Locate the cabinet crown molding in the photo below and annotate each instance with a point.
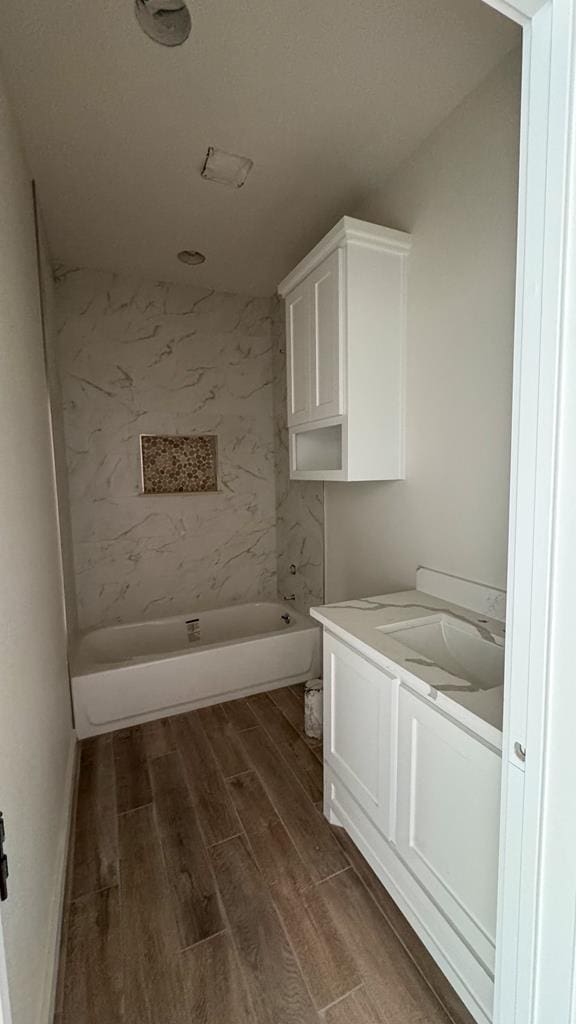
(347, 230)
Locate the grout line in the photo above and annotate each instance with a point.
(130, 810)
(207, 938)
(219, 842)
(246, 835)
(218, 771)
(237, 775)
(342, 998)
(93, 892)
(228, 924)
(278, 748)
(157, 757)
(328, 877)
(287, 936)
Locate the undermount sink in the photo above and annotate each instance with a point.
(454, 646)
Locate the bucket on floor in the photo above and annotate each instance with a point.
(313, 714)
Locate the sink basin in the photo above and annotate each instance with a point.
(454, 646)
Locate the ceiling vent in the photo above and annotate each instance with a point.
(167, 22)
(226, 168)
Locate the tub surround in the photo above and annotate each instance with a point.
(136, 358)
(361, 624)
(142, 358)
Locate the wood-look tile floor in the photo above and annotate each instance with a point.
(205, 886)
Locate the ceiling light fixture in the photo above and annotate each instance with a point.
(191, 257)
(226, 168)
(167, 22)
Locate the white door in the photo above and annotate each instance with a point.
(298, 347)
(448, 817)
(326, 283)
(360, 729)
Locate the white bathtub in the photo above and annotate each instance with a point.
(123, 675)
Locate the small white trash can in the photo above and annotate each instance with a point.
(313, 711)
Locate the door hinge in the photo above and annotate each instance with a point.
(3, 862)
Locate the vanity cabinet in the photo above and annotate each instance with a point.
(360, 730)
(418, 792)
(448, 817)
(345, 339)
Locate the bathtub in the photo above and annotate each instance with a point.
(124, 675)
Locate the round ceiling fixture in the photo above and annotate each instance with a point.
(167, 22)
(191, 257)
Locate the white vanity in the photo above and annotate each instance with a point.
(413, 688)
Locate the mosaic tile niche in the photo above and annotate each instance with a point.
(179, 465)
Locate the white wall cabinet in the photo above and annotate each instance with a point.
(418, 792)
(345, 338)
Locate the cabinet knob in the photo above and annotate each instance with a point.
(520, 751)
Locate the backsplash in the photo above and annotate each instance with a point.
(143, 358)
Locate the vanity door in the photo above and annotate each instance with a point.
(448, 817)
(360, 730)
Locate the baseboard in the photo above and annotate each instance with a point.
(48, 1001)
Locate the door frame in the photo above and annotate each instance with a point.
(5, 1013)
(536, 938)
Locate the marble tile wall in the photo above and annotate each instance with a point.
(299, 503)
(139, 358)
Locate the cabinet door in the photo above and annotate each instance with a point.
(360, 715)
(326, 283)
(448, 815)
(298, 349)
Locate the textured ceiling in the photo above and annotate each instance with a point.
(326, 96)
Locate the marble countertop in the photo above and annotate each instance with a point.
(358, 622)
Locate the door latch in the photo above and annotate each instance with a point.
(3, 862)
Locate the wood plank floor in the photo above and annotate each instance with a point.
(205, 886)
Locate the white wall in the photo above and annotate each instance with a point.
(457, 196)
(145, 358)
(36, 740)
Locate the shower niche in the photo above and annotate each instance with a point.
(175, 464)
